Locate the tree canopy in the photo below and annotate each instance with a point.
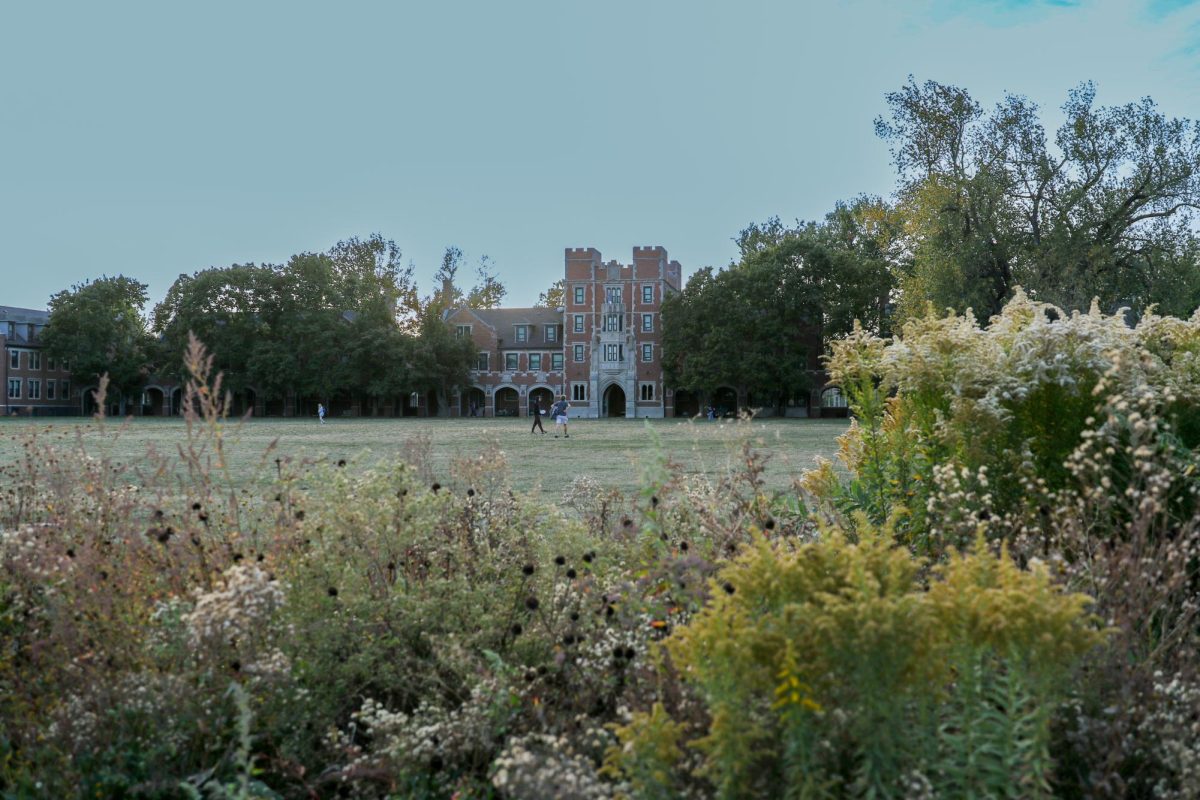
(987, 202)
(98, 328)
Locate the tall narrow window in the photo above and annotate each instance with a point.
(481, 363)
(35, 360)
(579, 391)
(647, 322)
(512, 361)
(14, 387)
(50, 390)
(647, 352)
(579, 352)
(522, 333)
(551, 333)
(648, 293)
(14, 359)
(612, 294)
(578, 295)
(535, 362)
(35, 390)
(556, 362)
(647, 391)
(579, 323)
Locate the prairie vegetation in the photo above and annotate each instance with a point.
(993, 596)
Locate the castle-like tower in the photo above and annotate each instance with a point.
(612, 333)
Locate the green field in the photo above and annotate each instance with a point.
(607, 450)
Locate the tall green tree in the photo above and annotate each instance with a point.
(99, 329)
(1107, 210)
(759, 325)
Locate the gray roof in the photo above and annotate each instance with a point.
(504, 320)
(14, 314)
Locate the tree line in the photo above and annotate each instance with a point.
(1103, 209)
(348, 322)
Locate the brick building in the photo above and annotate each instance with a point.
(602, 348)
(33, 383)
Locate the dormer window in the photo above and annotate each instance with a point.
(551, 333)
(522, 333)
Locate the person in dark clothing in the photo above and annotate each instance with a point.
(536, 410)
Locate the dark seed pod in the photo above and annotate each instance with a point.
(571, 573)
(728, 587)
(532, 603)
(517, 630)
(332, 591)
(527, 569)
(560, 560)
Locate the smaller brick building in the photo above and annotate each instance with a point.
(34, 384)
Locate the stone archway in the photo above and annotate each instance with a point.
(508, 402)
(613, 401)
(687, 403)
(153, 402)
(725, 401)
(472, 403)
(833, 402)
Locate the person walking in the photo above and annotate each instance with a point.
(321, 412)
(536, 410)
(559, 410)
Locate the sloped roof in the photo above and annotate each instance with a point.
(14, 314)
(503, 320)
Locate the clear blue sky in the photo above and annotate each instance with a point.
(152, 139)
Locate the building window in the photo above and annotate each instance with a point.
(481, 363)
(612, 322)
(579, 323)
(535, 362)
(579, 352)
(66, 366)
(579, 391)
(522, 333)
(64, 389)
(35, 389)
(647, 391)
(647, 352)
(14, 388)
(49, 364)
(551, 333)
(647, 322)
(462, 331)
(35, 360)
(648, 294)
(612, 294)
(578, 295)
(512, 361)
(14, 359)
(556, 361)
(50, 390)
(614, 352)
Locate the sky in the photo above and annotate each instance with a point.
(153, 139)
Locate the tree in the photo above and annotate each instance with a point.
(988, 203)
(554, 297)
(98, 328)
(489, 292)
(792, 288)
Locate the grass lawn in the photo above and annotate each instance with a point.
(607, 450)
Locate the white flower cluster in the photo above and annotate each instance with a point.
(240, 607)
(543, 766)
(413, 740)
(1173, 730)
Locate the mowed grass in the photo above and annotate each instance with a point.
(610, 451)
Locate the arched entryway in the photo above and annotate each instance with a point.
(508, 404)
(242, 402)
(833, 403)
(176, 401)
(613, 402)
(544, 398)
(687, 403)
(725, 401)
(472, 403)
(153, 400)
